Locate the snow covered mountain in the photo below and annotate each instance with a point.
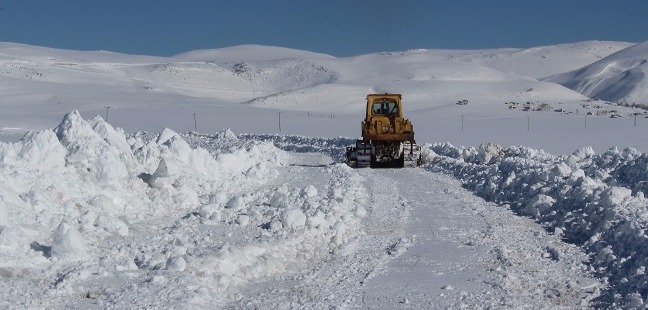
(542, 61)
(50, 82)
(621, 77)
(318, 95)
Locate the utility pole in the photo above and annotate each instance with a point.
(585, 121)
(107, 113)
(279, 121)
(462, 122)
(195, 123)
(528, 122)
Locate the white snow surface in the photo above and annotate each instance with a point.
(621, 77)
(245, 87)
(131, 214)
(596, 201)
(94, 218)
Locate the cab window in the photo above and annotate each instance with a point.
(384, 106)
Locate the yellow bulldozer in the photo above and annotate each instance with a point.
(387, 137)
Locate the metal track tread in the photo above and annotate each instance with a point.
(411, 155)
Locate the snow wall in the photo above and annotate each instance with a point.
(595, 201)
(92, 208)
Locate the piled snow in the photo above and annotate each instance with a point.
(293, 226)
(333, 147)
(595, 201)
(96, 210)
(67, 242)
(193, 217)
(620, 77)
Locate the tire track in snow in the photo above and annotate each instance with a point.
(467, 253)
(443, 266)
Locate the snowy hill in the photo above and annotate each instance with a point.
(252, 73)
(543, 61)
(620, 77)
(243, 88)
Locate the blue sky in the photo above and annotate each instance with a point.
(336, 27)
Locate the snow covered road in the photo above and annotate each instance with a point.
(468, 253)
(427, 243)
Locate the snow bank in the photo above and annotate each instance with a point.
(283, 229)
(595, 201)
(86, 205)
(333, 147)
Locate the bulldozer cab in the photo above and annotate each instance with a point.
(383, 106)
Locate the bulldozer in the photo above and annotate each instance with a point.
(387, 137)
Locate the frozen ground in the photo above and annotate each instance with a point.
(536, 210)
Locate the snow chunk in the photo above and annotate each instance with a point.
(489, 153)
(539, 205)
(584, 152)
(309, 191)
(166, 135)
(561, 170)
(37, 151)
(10, 236)
(67, 242)
(95, 159)
(293, 218)
(176, 264)
(112, 136)
(112, 224)
(167, 168)
(635, 301)
(614, 196)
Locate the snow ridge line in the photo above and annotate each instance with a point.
(333, 147)
(580, 197)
